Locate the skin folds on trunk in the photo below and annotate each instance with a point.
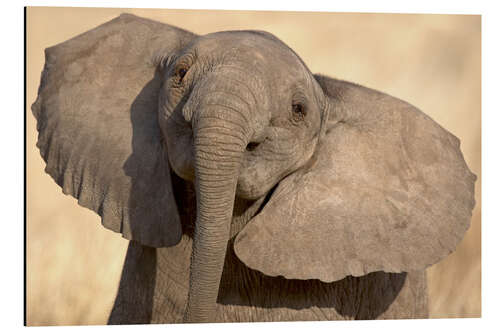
(218, 144)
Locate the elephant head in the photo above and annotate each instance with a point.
(350, 180)
(235, 123)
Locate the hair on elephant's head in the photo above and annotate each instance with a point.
(354, 181)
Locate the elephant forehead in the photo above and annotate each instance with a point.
(255, 47)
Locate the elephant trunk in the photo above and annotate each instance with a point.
(220, 138)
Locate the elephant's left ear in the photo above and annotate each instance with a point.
(389, 191)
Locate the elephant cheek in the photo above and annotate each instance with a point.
(179, 141)
(254, 181)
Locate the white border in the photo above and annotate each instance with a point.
(12, 139)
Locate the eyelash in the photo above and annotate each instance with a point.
(181, 67)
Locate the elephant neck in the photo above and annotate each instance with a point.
(244, 210)
(185, 197)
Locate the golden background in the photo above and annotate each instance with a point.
(431, 61)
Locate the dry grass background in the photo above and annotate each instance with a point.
(431, 61)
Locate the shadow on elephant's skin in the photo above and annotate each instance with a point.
(136, 290)
(139, 268)
(364, 297)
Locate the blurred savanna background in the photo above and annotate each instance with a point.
(431, 61)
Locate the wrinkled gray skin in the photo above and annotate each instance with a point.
(241, 117)
(228, 133)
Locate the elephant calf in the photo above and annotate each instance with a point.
(250, 189)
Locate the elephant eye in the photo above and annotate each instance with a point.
(181, 72)
(298, 111)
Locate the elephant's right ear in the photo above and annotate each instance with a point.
(98, 129)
